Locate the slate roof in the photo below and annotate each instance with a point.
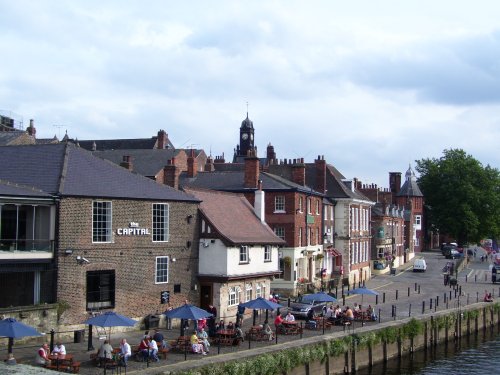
(8, 188)
(15, 137)
(67, 170)
(145, 162)
(335, 186)
(121, 144)
(234, 181)
(233, 218)
(410, 187)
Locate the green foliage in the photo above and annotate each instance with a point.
(412, 329)
(62, 306)
(388, 335)
(463, 196)
(496, 307)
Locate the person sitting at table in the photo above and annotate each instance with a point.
(371, 313)
(202, 323)
(59, 349)
(219, 325)
(160, 339)
(289, 317)
(203, 337)
(196, 346)
(268, 331)
(105, 353)
(487, 297)
(230, 326)
(42, 355)
(278, 322)
(356, 308)
(153, 350)
(338, 312)
(238, 335)
(348, 314)
(125, 352)
(143, 350)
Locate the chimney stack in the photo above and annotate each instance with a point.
(320, 174)
(31, 129)
(162, 140)
(171, 174)
(192, 165)
(259, 203)
(252, 170)
(127, 162)
(299, 172)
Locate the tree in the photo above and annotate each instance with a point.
(463, 197)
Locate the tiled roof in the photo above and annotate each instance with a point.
(233, 218)
(15, 137)
(146, 162)
(67, 170)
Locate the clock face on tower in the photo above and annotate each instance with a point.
(244, 136)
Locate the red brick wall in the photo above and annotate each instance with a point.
(132, 257)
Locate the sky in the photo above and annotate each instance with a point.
(370, 85)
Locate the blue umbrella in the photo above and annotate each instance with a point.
(13, 329)
(318, 297)
(187, 311)
(111, 319)
(261, 304)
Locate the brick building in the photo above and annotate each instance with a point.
(118, 239)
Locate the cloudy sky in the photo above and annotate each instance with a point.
(371, 85)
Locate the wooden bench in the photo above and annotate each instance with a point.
(182, 344)
(256, 334)
(75, 367)
(163, 352)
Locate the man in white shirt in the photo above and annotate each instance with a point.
(289, 317)
(59, 348)
(153, 350)
(125, 351)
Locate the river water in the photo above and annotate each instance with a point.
(473, 355)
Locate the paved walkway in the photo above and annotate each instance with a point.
(405, 290)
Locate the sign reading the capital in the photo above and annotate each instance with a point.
(133, 230)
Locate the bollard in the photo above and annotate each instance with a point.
(379, 315)
(383, 297)
(288, 301)
(460, 290)
(467, 298)
(395, 312)
(437, 301)
(423, 307)
(430, 304)
(376, 299)
(450, 295)
(444, 297)
(475, 278)
(397, 294)
(477, 297)
(301, 330)
(408, 291)
(409, 310)
(419, 289)
(52, 332)
(415, 287)
(466, 278)
(343, 300)
(392, 310)
(435, 306)
(336, 291)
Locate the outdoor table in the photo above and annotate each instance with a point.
(60, 359)
(291, 328)
(226, 336)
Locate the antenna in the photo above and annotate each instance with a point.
(59, 127)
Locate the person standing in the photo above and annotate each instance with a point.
(168, 320)
(240, 313)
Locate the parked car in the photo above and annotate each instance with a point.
(453, 254)
(300, 308)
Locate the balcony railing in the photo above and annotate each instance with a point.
(7, 244)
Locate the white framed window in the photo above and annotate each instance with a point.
(160, 222)
(380, 252)
(259, 290)
(418, 220)
(309, 208)
(351, 254)
(280, 232)
(234, 295)
(102, 221)
(317, 207)
(161, 270)
(244, 254)
(248, 292)
(300, 236)
(301, 204)
(318, 236)
(279, 203)
(267, 253)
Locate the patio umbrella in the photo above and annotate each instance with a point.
(318, 297)
(363, 291)
(13, 329)
(110, 319)
(188, 312)
(261, 304)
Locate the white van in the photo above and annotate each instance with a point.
(420, 265)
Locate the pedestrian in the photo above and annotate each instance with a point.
(168, 320)
(240, 313)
